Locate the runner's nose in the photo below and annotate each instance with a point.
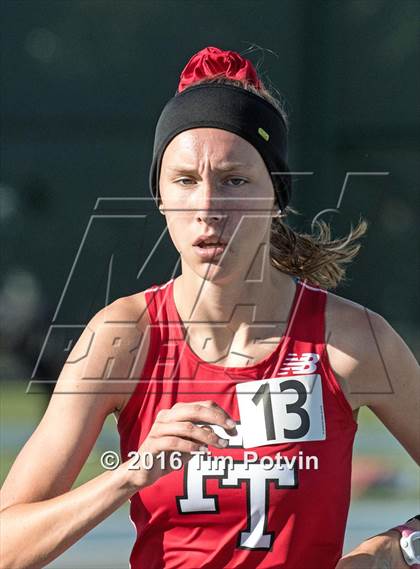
(209, 204)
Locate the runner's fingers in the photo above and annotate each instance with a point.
(227, 426)
(173, 443)
(188, 430)
(198, 412)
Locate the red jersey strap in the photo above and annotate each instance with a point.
(150, 295)
(156, 300)
(309, 323)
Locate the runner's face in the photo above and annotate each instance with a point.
(215, 182)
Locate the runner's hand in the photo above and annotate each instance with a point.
(176, 429)
(379, 552)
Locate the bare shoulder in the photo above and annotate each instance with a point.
(348, 323)
(358, 343)
(111, 349)
(129, 309)
(123, 329)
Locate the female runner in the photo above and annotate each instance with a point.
(237, 382)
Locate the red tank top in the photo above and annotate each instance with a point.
(233, 508)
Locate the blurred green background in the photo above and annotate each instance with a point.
(82, 85)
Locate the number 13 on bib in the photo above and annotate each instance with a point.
(281, 410)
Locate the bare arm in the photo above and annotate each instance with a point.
(382, 373)
(388, 382)
(397, 407)
(40, 516)
(375, 368)
(34, 534)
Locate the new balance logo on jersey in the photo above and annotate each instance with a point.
(299, 365)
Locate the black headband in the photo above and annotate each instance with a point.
(229, 108)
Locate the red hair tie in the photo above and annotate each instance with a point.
(212, 62)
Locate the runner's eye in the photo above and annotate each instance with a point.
(184, 180)
(237, 179)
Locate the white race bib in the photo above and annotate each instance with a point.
(281, 410)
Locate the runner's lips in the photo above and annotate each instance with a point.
(209, 241)
(209, 252)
